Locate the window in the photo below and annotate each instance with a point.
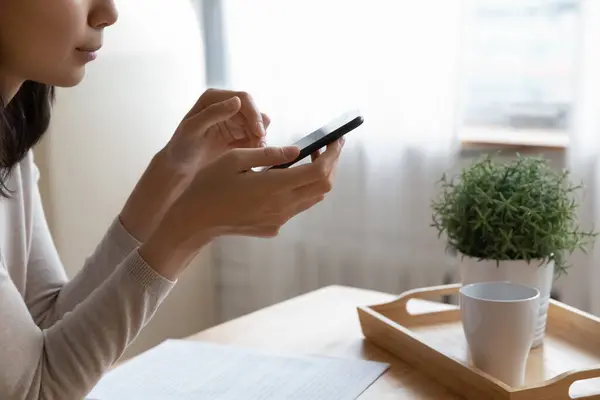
(307, 61)
(519, 69)
(515, 73)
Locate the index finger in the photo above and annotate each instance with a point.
(251, 113)
(305, 174)
(293, 177)
(249, 110)
(329, 157)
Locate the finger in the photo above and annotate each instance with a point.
(307, 173)
(315, 155)
(305, 206)
(213, 114)
(294, 208)
(245, 159)
(296, 177)
(207, 98)
(225, 133)
(253, 116)
(265, 232)
(332, 172)
(266, 120)
(316, 189)
(329, 157)
(335, 165)
(247, 143)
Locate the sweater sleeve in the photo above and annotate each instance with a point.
(49, 294)
(67, 360)
(59, 341)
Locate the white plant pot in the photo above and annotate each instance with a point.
(531, 274)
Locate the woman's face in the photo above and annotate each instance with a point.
(51, 41)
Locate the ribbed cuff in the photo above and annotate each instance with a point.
(146, 276)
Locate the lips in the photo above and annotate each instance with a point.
(87, 54)
(89, 49)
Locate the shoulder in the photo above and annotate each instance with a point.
(22, 177)
(29, 172)
(23, 181)
(18, 210)
(22, 184)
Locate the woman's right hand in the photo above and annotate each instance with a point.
(227, 197)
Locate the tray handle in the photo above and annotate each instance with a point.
(400, 304)
(431, 291)
(561, 384)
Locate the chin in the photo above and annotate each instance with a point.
(73, 78)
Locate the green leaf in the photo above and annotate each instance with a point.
(522, 209)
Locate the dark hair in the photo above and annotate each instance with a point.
(23, 122)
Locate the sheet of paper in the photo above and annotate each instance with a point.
(188, 370)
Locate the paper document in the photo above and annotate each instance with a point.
(189, 370)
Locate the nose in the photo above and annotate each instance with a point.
(103, 14)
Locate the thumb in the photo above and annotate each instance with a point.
(215, 113)
(244, 159)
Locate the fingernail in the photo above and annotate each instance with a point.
(342, 142)
(260, 129)
(233, 102)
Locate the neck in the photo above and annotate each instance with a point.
(9, 86)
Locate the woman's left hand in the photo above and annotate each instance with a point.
(236, 122)
(245, 129)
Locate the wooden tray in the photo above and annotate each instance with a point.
(564, 367)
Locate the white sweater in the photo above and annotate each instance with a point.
(57, 338)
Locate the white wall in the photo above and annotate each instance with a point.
(104, 132)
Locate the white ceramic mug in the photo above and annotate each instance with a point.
(499, 320)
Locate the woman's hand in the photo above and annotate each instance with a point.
(227, 198)
(245, 128)
(219, 121)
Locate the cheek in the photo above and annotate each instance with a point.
(38, 38)
(66, 30)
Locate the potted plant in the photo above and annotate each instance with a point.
(514, 221)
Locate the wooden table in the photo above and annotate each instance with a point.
(325, 322)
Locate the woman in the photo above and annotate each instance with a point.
(57, 338)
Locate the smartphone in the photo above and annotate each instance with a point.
(325, 135)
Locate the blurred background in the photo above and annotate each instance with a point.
(439, 83)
